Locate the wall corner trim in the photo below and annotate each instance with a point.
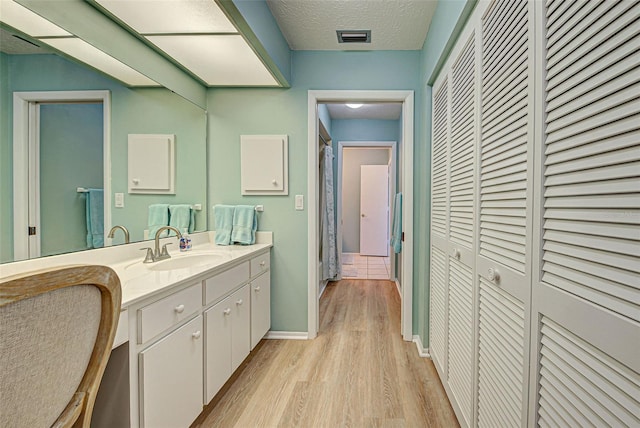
(422, 351)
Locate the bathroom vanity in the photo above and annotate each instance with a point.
(186, 324)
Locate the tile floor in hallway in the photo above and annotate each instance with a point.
(356, 266)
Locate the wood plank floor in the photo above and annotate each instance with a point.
(358, 372)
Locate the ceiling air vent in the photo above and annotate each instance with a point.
(354, 36)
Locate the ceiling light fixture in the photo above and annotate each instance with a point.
(354, 105)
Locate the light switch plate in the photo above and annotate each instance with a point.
(119, 200)
(299, 202)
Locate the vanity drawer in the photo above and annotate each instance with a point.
(260, 264)
(158, 316)
(224, 282)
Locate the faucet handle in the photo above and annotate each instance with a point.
(148, 258)
(165, 254)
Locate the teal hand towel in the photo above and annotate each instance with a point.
(396, 237)
(245, 224)
(95, 218)
(158, 217)
(181, 217)
(224, 223)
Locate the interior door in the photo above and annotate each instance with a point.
(374, 210)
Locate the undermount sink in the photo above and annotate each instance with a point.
(185, 261)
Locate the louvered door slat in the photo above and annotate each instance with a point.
(504, 118)
(578, 381)
(500, 377)
(463, 148)
(440, 182)
(596, 261)
(437, 311)
(572, 25)
(460, 365)
(614, 144)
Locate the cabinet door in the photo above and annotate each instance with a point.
(171, 378)
(218, 347)
(260, 307)
(240, 326)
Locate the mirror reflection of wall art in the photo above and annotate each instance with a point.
(151, 160)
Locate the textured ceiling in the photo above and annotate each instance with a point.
(388, 111)
(394, 24)
(13, 46)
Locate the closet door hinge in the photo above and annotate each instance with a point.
(32, 230)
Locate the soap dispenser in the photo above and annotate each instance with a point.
(185, 241)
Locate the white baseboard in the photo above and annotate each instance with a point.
(398, 287)
(422, 351)
(323, 286)
(287, 335)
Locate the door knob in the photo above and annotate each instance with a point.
(227, 311)
(361, 215)
(179, 309)
(196, 335)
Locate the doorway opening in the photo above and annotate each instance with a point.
(405, 185)
(365, 194)
(41, 160)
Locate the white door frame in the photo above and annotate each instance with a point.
(22, 102)
(392, 174)
(313, 278)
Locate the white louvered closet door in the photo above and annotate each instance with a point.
(587, 293)
(505, 224)
(438, 318)
(455, 136)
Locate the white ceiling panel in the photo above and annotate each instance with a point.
(394, 24)
(221, 60)
(94, 57)
(21, 18)
(170, 16)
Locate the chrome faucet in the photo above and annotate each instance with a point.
(158, 255)
(123, 229)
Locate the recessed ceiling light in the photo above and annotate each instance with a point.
(354, 105)
(171, 17)
(90, 55)
(23, 19)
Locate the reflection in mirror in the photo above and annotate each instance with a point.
(131, 111)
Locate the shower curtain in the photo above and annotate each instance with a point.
(328, 247)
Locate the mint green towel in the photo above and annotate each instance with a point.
(158, 217)
(95, 218)
(396, 237)
(224, 223)
(245, 223)
(181, 217)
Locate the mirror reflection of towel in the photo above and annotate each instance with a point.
(182, 217)
(158, 217)
(95, 218)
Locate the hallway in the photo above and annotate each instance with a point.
(357, 372)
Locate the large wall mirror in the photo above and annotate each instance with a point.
(72, 153)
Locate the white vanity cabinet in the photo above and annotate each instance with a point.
(171, 378)
(260, 298)
(227, 339)
(187, 341)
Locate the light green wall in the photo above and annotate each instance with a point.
(153, 110)
(233, 112)
(446, 24)
(70, 157)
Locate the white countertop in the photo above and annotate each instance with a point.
(140, 281)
